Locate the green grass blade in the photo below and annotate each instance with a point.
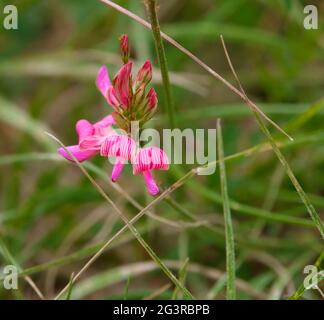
(229, 233)
(126, 293)
(69, 291)
(182, 278)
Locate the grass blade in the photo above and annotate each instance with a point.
(182, 278)
(127, 287)
(229, 233)
(69, 291)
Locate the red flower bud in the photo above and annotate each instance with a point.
(152, 99)
(123, 85)
(144, 75)
(124, 47)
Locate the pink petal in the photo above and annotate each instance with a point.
(84, 129)
(79, 154)
(151, 185)
(92, 143)
(119, 146)
(117, 169)
(105, 122)
(150, 158)
(103, 82)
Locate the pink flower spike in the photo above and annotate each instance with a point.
(120, 146)
(103, 82)
(148, 159)
(80, 154)
(122, 84)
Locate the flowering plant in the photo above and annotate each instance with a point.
(131, 101)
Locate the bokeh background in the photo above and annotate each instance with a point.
(52, 219)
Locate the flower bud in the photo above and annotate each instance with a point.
(124, 47)
(144, 75)
(150, 105)
(123, 85)
(152, 99)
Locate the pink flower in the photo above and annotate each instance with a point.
(130, 101)
(91, 136)
(148, 159)
(123, 148)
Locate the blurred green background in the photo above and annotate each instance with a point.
(51, 217)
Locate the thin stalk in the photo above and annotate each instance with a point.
(127, 287)
(69, 293)
(229, 233)
(158, 292)
(151, 9)
(182, 278)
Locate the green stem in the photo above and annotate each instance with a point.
(151, 8)
(229, 233)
